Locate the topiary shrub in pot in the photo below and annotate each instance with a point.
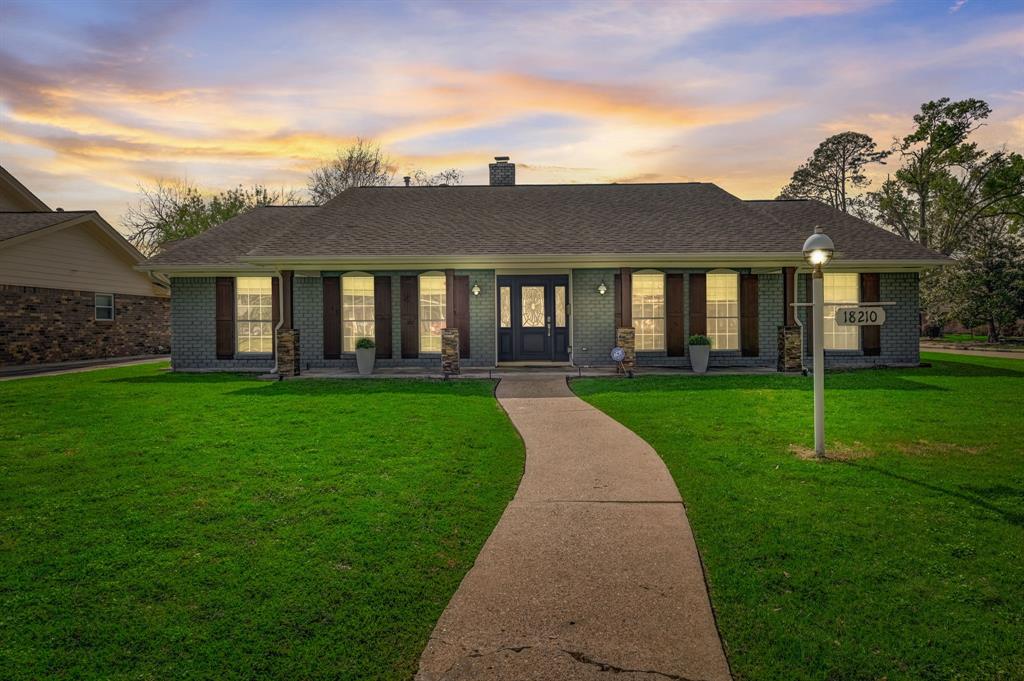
(366, 354)
(700, 350)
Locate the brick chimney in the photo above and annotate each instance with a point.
(503, 173)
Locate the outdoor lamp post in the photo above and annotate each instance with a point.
(818, 251)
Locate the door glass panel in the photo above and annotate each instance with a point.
(505, 300)
(559, 306)
(533, 307)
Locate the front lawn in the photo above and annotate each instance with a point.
(902, 559)
(162, 526)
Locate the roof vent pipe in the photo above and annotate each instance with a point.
(408, 180)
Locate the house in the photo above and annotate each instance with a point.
(531, 273)
(69, 290)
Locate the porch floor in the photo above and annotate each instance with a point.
(508, 372)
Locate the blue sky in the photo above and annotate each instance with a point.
(96, 97)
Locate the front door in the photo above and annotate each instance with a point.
(533, 318)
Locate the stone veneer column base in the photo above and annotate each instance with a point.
(789, 348)
(449, 351)
(288, 352)
(625, 338)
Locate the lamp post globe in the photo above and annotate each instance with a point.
(818, 251)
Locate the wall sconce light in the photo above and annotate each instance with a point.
(602, 289)
(475, 289)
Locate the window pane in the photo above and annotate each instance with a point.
(357, 310)
(104, 313)
(723, 314)
(432, 311)
(533, 307)
(649, 310)
(505, 301)
(840, 288)
(254, 312)
(559, 306)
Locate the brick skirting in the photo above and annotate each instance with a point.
(40, 325)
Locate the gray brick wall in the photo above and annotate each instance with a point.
(900, 332)
(194, 328)
(593, 316)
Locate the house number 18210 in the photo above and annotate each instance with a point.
(860, 316)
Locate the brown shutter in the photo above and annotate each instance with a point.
(675, 340)
(410, 314)
(748, 315)
(332, 317)
(225, 317)
(870, 336)
(617, 285)
(698, 304)
(460, 310)
(788, 296)
(382, 315)
(808, 315)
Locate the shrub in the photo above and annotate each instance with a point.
(699, 339)
(365, 344)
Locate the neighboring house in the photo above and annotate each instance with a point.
(69, 289)
(535, 273)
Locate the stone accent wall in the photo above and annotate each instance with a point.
(900, 332)
(194, 329)
(42, 325)
(288, 353)
(789, 348)
(625, 338)
(449, 351)
(593, 317)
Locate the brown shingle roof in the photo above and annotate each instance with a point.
(533, 220)
(687, 219)
(14, 224)
(226, 243)
(855, 239)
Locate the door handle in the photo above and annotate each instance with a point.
(549, 326)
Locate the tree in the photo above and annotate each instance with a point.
(447, 177)
(986, 285)
(835, 168)
(362, 164)
(172, 210)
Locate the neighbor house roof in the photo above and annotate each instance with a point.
(486, 223)
(16, 224)
(17, 194)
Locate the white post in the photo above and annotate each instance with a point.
(819, 361)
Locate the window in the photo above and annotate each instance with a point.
(505, 303)
(723, 301)
(254, 314)
(560, 306)
(840, 288)
(649, 310)
(357, 311)
(432, 309)
(104, 304)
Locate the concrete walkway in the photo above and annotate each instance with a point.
(1001, 354)
(591, 569)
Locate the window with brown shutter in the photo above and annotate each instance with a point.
(675, 338)
(748, 315)
(225, 317)
(409, 311)
(332, 317)
(870, 336)
(382, 315)
(698, 305)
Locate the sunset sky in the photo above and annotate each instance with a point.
(98, 97)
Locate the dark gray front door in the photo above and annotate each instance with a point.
(533, 318)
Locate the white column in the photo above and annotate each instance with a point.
(819, 362)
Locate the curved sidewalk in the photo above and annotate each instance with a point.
(592, 567)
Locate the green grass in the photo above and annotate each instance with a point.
(159, 526)
(904, 561)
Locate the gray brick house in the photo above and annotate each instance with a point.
(532, 274)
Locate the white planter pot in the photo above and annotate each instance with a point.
(364, 360)
(699, 358)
